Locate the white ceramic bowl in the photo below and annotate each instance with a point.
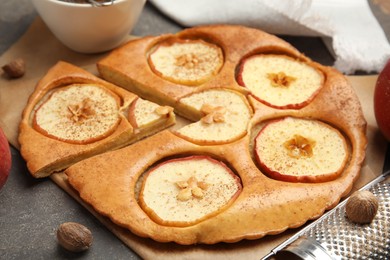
(89, 29)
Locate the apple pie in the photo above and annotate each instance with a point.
(274, 138)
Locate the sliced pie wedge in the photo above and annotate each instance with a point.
(73, 115)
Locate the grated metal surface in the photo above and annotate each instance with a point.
(346, 240)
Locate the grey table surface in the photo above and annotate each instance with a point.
(31, 210)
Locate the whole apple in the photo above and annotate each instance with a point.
(5, 159)
(382, 101)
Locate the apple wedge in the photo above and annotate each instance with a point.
(185, 191)
(188, 62)
(301, 150)
(280, 81)
(225, 115)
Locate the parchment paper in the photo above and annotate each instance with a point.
(41, 50)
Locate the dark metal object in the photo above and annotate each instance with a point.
(334, 235)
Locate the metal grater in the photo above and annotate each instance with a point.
(338, 238)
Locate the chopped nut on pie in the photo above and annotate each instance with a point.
(191, 188)
(163, 110)
(213, 114)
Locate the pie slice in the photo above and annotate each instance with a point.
(73, 115)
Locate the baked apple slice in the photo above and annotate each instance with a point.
(143, 114)
(185, 191)
(225, 115)
(78, 113)
(301, 150)
(188, 62)
(280, 81)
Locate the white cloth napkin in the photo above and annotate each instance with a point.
(347, 26)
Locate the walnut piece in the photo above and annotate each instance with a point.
(197, 192)
(203, 185)
(163, 110)
(182, 184)
(81, 111)
(213, 114)
(191, 188)
(280, 79)
(15, 68)
(188, 60)
(184, 194)
(206, 109)
(74, 237)
(208, 119)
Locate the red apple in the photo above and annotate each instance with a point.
(5, 159)
(382, 101)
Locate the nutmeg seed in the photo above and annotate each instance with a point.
(362, 207)
(74, 236)
(15, 68)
